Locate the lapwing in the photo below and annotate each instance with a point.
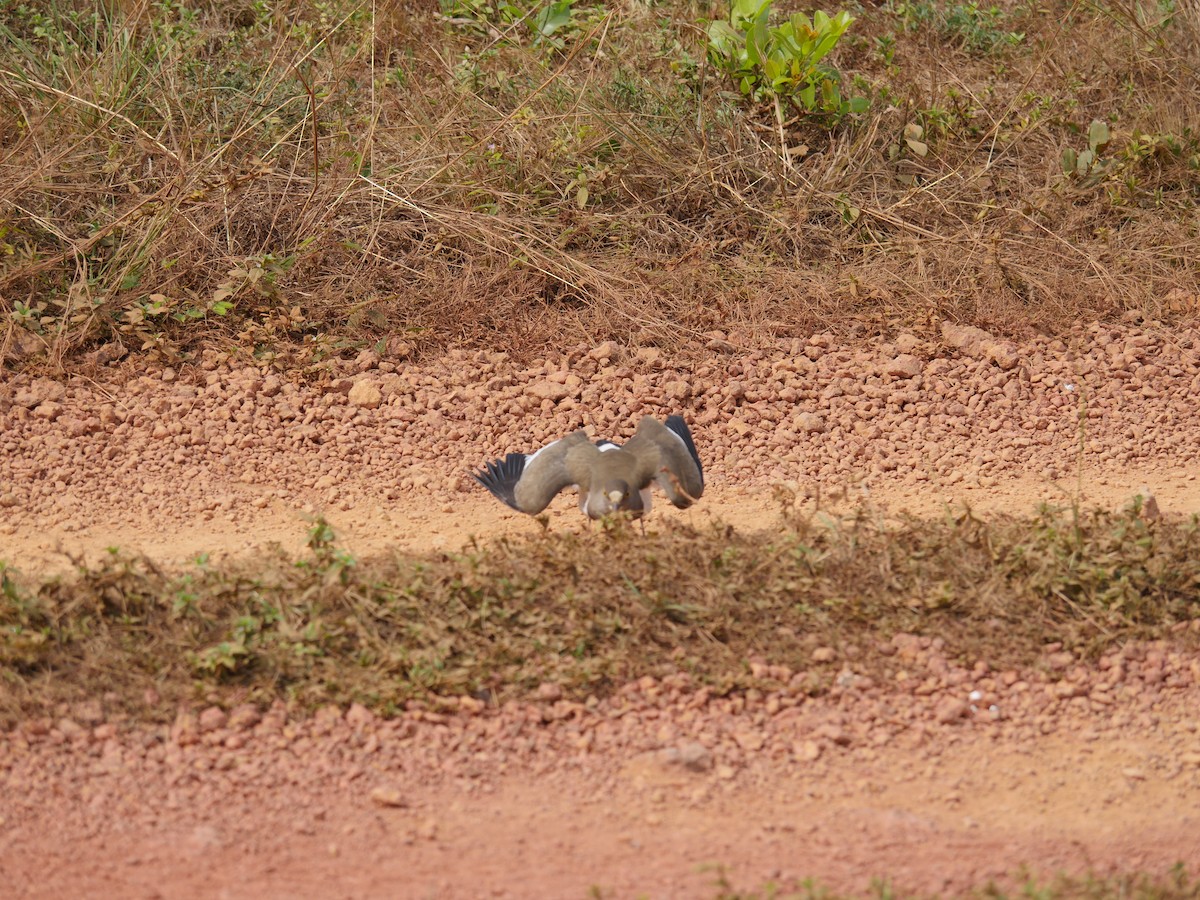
(610, 477)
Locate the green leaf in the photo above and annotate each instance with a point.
(747, 10)
(827, 43)
(757, 42)
(723, 39)
(859, 104)
(831, 96)
(1098, 136)
(1070, 159)
(553, 17)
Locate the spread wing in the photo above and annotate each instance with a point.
(667, 456)
(528, 483)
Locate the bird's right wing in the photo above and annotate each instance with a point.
(671, 455)
(528, 483)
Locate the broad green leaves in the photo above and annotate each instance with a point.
(1087, 162)
(783, 62)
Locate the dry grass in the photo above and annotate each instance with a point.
(343, 173)
(593, 611)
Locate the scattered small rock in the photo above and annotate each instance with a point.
(70, 728)
(397, 348)
(604, 352)
(366, 360)
(717, 343)
(106, 354)
(358, 716)
(365, 394)
(42, 390)
(809, 751)
(835, 734)
(695, 756)
(89, 712)
(691, 755)
(1002, 353)
(205, 837)
(186, 729)
(212, 719)
(549, 692)
(48, 410)
(949, 710)
(903, 366)
(650, 357)
(428, 830)
(966, 338)
(388, 797)
(549, 390)
(750, 741)
(810, 423)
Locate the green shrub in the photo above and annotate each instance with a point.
(784, 63)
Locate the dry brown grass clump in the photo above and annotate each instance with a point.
(593, 611)
(326, 175)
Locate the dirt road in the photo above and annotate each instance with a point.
(914, 778)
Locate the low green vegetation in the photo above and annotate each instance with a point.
(591, 611)
(1176, 884)
(784, 63)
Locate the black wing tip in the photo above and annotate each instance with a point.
(500, 476)
(680, 428)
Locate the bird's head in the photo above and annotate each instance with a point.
(608, 498)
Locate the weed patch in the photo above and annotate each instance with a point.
(1176, 884)
(592, 611)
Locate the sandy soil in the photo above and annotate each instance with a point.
(915, 778)
(919, 780)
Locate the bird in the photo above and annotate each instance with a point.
(610, 477)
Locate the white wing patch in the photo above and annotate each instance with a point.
(529, 458)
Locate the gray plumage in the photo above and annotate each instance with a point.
(609, 477)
